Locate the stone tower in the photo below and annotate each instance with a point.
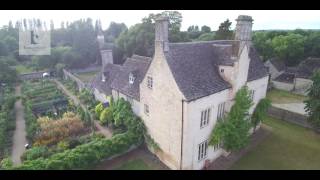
(243, 31)
(106, 58)
(100, 39)
(161, 32)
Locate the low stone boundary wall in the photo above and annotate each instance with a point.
(69, 75)
(289, 116)
(33, 75)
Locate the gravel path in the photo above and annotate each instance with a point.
(19, 137)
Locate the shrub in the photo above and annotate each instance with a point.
(98, 109)
(35, 153)
(6, 163)
(106, 116)
(53, 131)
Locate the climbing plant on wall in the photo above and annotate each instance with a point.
(233, 131)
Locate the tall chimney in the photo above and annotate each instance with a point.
(106, 58)
(161, 33)
(243, 31)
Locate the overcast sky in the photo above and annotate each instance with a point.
(263, 19)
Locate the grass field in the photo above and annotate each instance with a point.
(136, 164)
(87, 76)
(283, 97)
(23, 69)
(288, 147)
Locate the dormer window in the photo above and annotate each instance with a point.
(131, 78)
(221, 70)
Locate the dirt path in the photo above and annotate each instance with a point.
(106, 132)
(19, 137)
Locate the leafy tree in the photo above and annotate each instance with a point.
(7, 74)
(263, 44)
(290, 48)
(205, 29)
(206, 37)
(312, 105)
(113, 31)
(224, 32)
(194, 32)
(233, 132)
(260, 112)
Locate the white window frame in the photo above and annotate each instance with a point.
(221, 110)
(205, 117)
(251, 93)
(202, 150)
(131, 78)
(149, 82)
(146, 109)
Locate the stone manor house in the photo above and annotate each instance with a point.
(183, 90)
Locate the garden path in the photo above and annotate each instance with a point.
(294, 107)
(105, 131)
(19, 137)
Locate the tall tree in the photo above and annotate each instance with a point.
(290, 48)
(205, 29)
(233, 132)
(312, 104)
(224, 32)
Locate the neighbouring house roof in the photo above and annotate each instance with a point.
(278, 64)
(110, 72)
(136, 65)
(306, 68)
(285, 77)
(195, 66)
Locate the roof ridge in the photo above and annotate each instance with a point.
(200, 42)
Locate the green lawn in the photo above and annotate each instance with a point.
(282, 97)
(87, 76)
(136, 164)
(288, 147)
(23, 69)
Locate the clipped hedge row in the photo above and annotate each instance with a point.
(7, 120)
(87, 155)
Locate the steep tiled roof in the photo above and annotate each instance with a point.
(195, 67)
(138, 66)
(306, 68)
(285, 77)
(278, 64)
(110, 72)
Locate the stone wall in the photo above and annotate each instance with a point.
(33, 75)
(283, 86)
(288, 116)
(69, 75)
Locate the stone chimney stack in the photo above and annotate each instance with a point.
(106, 58)
(243, 31)
(161, 33)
